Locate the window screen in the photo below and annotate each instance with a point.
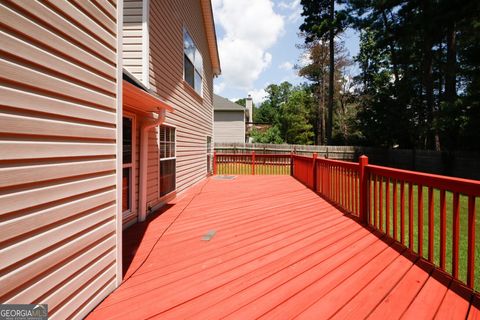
(167, 160)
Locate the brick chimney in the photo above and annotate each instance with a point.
(249, 106)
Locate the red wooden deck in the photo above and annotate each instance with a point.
(279, 252)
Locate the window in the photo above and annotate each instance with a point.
(193, 63)
(127, 164)
(167, 160)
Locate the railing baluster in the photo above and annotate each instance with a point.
(420, 220)
(443, 229)
(471, 243)
(380, 204)
(410, 215)
(387, 205)
(431, 225)
(375, 201)
(402, 212)
(395, 233)
(455, 233)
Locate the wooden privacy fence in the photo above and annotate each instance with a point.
(434, 216)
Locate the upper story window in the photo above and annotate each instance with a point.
(193, 63)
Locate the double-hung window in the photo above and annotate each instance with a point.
(193, 63)
(167, 160)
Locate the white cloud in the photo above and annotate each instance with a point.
(287, 66)
(251, 28)
(293, 9)
(258, 96)
(219, 87)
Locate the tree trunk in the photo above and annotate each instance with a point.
(450, 74)
(331, 78)
(428, 85)
(391, 47)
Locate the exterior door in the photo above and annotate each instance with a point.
(127, 176)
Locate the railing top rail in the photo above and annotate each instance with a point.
(298, 156)
(340, 163)
(463, 186)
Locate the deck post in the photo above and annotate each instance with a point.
(314, 172)
(253, 162)
(214, 162)
(291, 163)
(363, 162)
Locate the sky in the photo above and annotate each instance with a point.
(257, 44)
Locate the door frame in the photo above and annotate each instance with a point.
(133, 209)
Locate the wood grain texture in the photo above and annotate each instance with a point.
(279, 252)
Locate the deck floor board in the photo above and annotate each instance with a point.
(279, 252)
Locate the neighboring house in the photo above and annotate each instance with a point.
(229, 121)
(87, 148)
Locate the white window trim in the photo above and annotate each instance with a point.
(119, 151)
(194, 69)
(170, 158)
(133, 165)
(146, 43)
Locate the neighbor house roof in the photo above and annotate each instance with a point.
(223, 104)
(211, 35)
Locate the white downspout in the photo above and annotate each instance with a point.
(146, 126)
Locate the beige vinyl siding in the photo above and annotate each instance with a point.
(229, 126)
(58, 106)
(132, 37)
(193, 115)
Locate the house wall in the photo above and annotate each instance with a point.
(132, 37)
(229, 126)
(58, 135)
(193, 115)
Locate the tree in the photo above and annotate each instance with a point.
(322, 21)
(418, 72)
(287, 109)
(317, 71)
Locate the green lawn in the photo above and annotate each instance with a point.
(449, 215)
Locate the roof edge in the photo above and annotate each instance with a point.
(209, 24)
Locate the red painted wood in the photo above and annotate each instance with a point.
(429, 299)
(395, 218)
(380, 204)
(420, 220)
(375, 201)
(364, 189)
(387, 205)
(280, 251)
(402, 294)
(253, 162)
(443, 229)
(431, 225)
(402, 212)
(471, 243)
(456, 234)
(463, 186)
(452, 307)
(410, 216)
(214, 162)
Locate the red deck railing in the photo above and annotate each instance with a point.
(432, 215)
(256, 164)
